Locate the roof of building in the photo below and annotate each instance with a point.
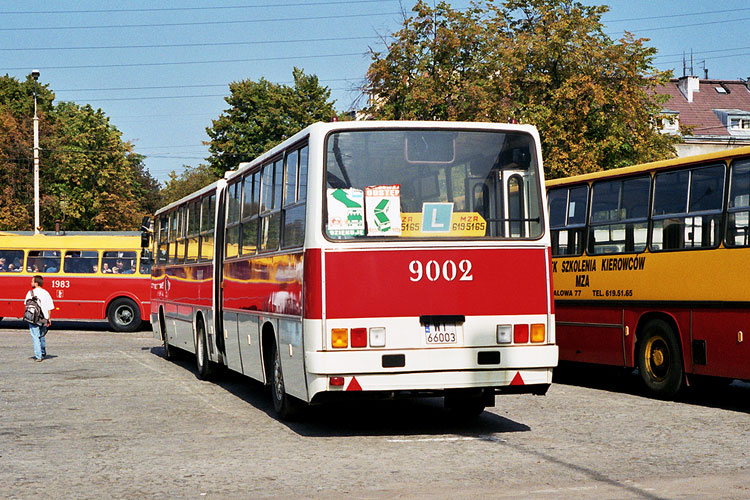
(725, 95)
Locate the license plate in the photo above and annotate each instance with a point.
(440, 334)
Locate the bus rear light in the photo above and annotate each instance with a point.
(377, 337)
(504, 334)
(521, 334)
(340, 338)
(336, 381)
(359, 337)
(537, 333)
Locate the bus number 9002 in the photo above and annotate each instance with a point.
(433, 271)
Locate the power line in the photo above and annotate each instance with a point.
(689, 14)
(170, 45)
(179, 9)
(174, 63)
(162, 87)
(704, 23)
(200, 23)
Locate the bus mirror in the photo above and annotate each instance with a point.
(145, 240)
(146, 224)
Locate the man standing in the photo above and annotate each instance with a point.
(38, 332)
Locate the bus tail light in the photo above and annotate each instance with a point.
(504, 334)
(336, 381)
(359, 337)
(377, 337)
(339, 338)
(521, 334)
(537, 333)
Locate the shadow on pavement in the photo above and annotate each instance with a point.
(61, 325)
(732, 395)
(397, 417)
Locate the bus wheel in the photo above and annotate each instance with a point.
(201, 353)
(465, 404)
(168, 351)
(286, 406)
(659, 360)
(124, 315)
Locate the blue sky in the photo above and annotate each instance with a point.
(160, 70)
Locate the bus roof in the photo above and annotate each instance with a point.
(648, 167)
(70, 240)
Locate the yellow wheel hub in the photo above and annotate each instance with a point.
(657, 353)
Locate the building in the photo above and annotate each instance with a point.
(718, 112)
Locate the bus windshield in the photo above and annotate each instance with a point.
(432, 184)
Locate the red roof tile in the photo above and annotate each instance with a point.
(699, 113)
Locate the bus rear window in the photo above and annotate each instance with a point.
(432, 184)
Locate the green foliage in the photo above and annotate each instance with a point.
(89, 178)
(544, 62)
(262, 114)
(190, 180)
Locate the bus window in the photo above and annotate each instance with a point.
(437, 184)
(270, 217)
(118, 262)
(687, 208)
(738, 218)
(619, 216)
(232, 240)
(81, 261)
(207, 227)
(43, 261)
(11, 261)
(250, 207)
(567, 208)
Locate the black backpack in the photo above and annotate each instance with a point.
(33, 313)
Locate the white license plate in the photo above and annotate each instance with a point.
(441, 334)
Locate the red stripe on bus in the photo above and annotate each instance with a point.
(470, 282)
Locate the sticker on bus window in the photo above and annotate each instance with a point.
(383, 210)
(463, 224)
(436, 217)
(346, 213)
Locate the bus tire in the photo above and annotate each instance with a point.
(202, 363)
(124, 315)
(465, 404)
(286, 407)
(168, 351)
(660, 360)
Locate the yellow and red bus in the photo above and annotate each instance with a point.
(90, 275)
(367, 259)
(651, 266)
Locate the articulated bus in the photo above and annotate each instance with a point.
(370, 259)
(90, 275)
(651, 267)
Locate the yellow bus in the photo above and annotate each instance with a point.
(90, 275)
(651, 267)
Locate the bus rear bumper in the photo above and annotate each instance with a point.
(430, 371)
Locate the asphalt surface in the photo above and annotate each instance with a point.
(106, 416)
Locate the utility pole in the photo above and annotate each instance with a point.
(35, 75)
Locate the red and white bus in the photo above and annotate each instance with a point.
(379, 258)
(90, 275)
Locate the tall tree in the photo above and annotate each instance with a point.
(544, 62)
(90, 178)
(262, 114)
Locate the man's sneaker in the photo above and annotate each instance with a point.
(38, 360)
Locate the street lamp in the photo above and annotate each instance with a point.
(35, 76)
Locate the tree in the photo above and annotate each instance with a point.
(544, 62)
(262, 114)
(190, 180)
(89, 178)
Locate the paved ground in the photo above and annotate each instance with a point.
(108, 417)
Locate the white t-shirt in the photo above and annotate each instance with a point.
(45, 300)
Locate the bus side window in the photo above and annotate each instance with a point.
(294, 199)
(11, 261)
(567, 208)
(43, 261)
(738, 216)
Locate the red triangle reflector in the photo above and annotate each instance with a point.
(354, 385)
(517, 380)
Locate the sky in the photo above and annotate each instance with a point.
(160, 70)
